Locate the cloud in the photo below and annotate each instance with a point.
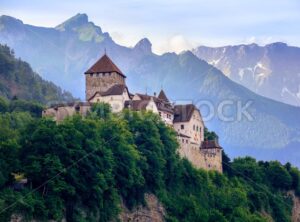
(117, 36)
(176, 43)
(261, 40)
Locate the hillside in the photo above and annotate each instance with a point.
(63, 53)
(18, 80)
(83, 169)
(272, 70)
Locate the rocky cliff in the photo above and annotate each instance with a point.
(153, 211)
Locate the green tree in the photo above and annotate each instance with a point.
(278, 176)
(3, 105)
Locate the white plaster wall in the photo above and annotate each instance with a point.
(116, 101)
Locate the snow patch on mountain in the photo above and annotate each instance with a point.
(214, 62)
(298, 93)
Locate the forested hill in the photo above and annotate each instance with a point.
(84, 168)
(17, 79)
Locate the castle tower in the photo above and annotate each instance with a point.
(102, 76)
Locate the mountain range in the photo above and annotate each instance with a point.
(61, 54)
(272, 70)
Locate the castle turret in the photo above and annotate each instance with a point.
(102, 76)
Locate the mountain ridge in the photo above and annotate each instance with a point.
(271, 70)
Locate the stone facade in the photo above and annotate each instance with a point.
(212, 159)
(60, 112)
(101, 82)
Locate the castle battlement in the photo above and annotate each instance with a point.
(105, 82)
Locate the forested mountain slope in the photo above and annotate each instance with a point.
(18, 80)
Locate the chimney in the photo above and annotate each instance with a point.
(154, 94)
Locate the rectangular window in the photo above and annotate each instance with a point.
(182, 126)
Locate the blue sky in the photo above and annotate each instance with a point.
(173, 25)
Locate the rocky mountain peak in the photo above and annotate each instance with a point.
(8, 21)
(144, 45)
(74, 22)
(277, 45)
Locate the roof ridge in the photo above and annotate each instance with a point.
(104, 64)
(162, 95)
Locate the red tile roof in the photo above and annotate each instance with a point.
(183, 113)
(136, 105)
(117, 89)
(103, 65)
(161, 105)
(210, 144)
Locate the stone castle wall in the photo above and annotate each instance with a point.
(101, 82)
(61, 112)
(210, 159)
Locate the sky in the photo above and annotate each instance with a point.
(172, 25)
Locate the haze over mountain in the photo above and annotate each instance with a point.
(272, 70)
(18, 80)
(63, 53)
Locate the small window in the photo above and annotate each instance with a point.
(182, 126)
(194, 127)
(187, 141)
(159, 113)
(98, 100)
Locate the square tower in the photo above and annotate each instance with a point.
(102, 76)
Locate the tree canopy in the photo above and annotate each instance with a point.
(81, 169)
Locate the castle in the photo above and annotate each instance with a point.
(105, 82)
